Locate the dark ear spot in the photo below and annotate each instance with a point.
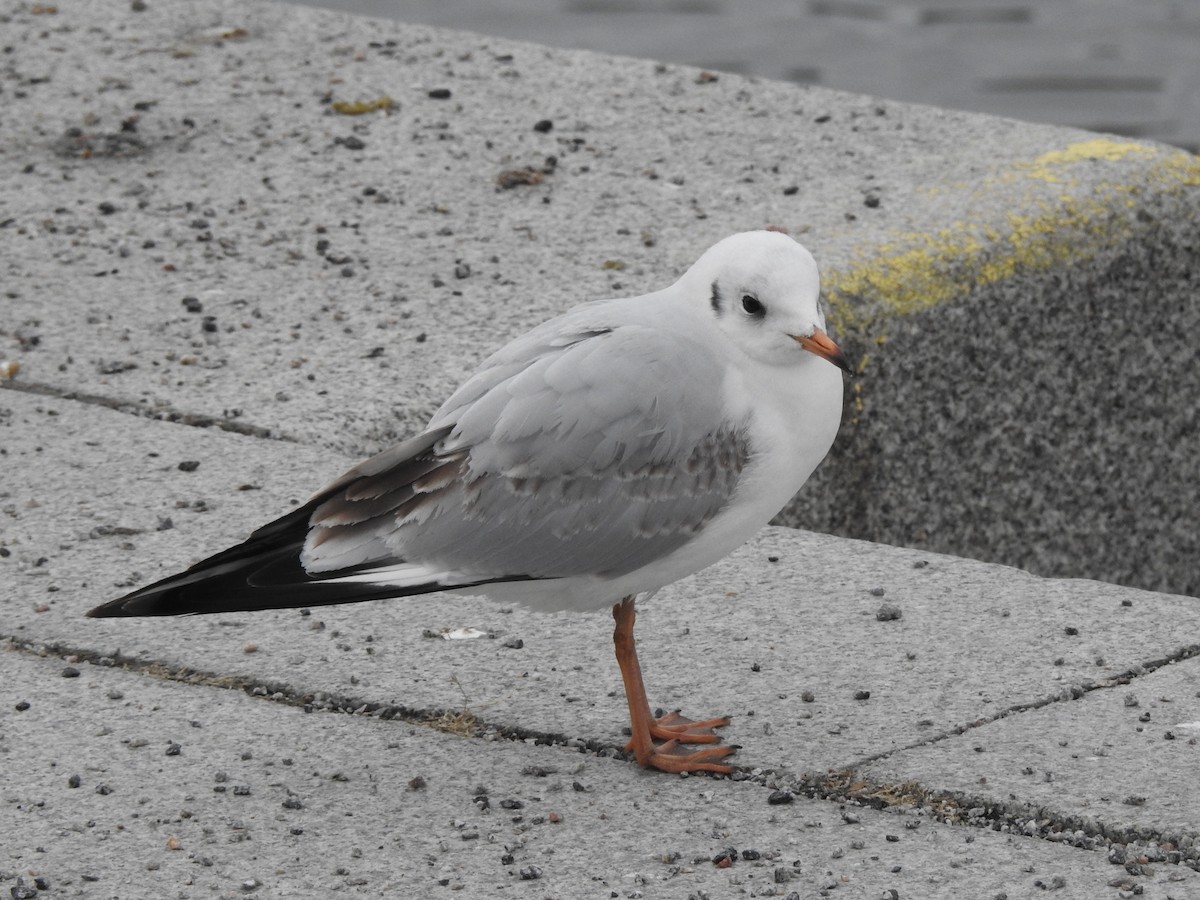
(716, 298)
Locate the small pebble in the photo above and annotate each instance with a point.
(189, 465)
(862, 695)
(70, 672)
(725, 858)
(888, 612)
(777, 798)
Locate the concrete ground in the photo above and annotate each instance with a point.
(1104, 65)
(219, 291)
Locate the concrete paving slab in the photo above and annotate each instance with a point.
(167, 789)
(784, 614)
(1108, 761)
(784, 635)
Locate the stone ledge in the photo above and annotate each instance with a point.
(194, 228)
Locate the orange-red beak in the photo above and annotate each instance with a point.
(823, 346)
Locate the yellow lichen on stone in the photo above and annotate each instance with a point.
(914, 271)
(1049, 166)
(361, 107)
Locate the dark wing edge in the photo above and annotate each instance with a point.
(265, 570)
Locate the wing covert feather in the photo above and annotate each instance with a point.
(580, 449)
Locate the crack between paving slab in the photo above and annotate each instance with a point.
(1135, 848)
(1066, 695)
(160, 413)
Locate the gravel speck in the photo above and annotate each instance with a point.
(725, 858)
(70, 672)
(888, 612)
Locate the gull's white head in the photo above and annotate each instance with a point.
(762, 290)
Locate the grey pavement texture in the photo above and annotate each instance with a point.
(206, 264)
(1015, 731)
(1131, 68)
(1019, 298)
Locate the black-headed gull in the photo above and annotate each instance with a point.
(606, 453)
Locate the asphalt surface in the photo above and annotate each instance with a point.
(220, 292)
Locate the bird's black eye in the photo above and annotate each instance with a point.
(752, 306)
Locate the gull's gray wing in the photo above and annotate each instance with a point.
(582, 448)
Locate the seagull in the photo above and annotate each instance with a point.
(597, 458)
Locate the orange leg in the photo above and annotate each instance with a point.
(673, 729)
